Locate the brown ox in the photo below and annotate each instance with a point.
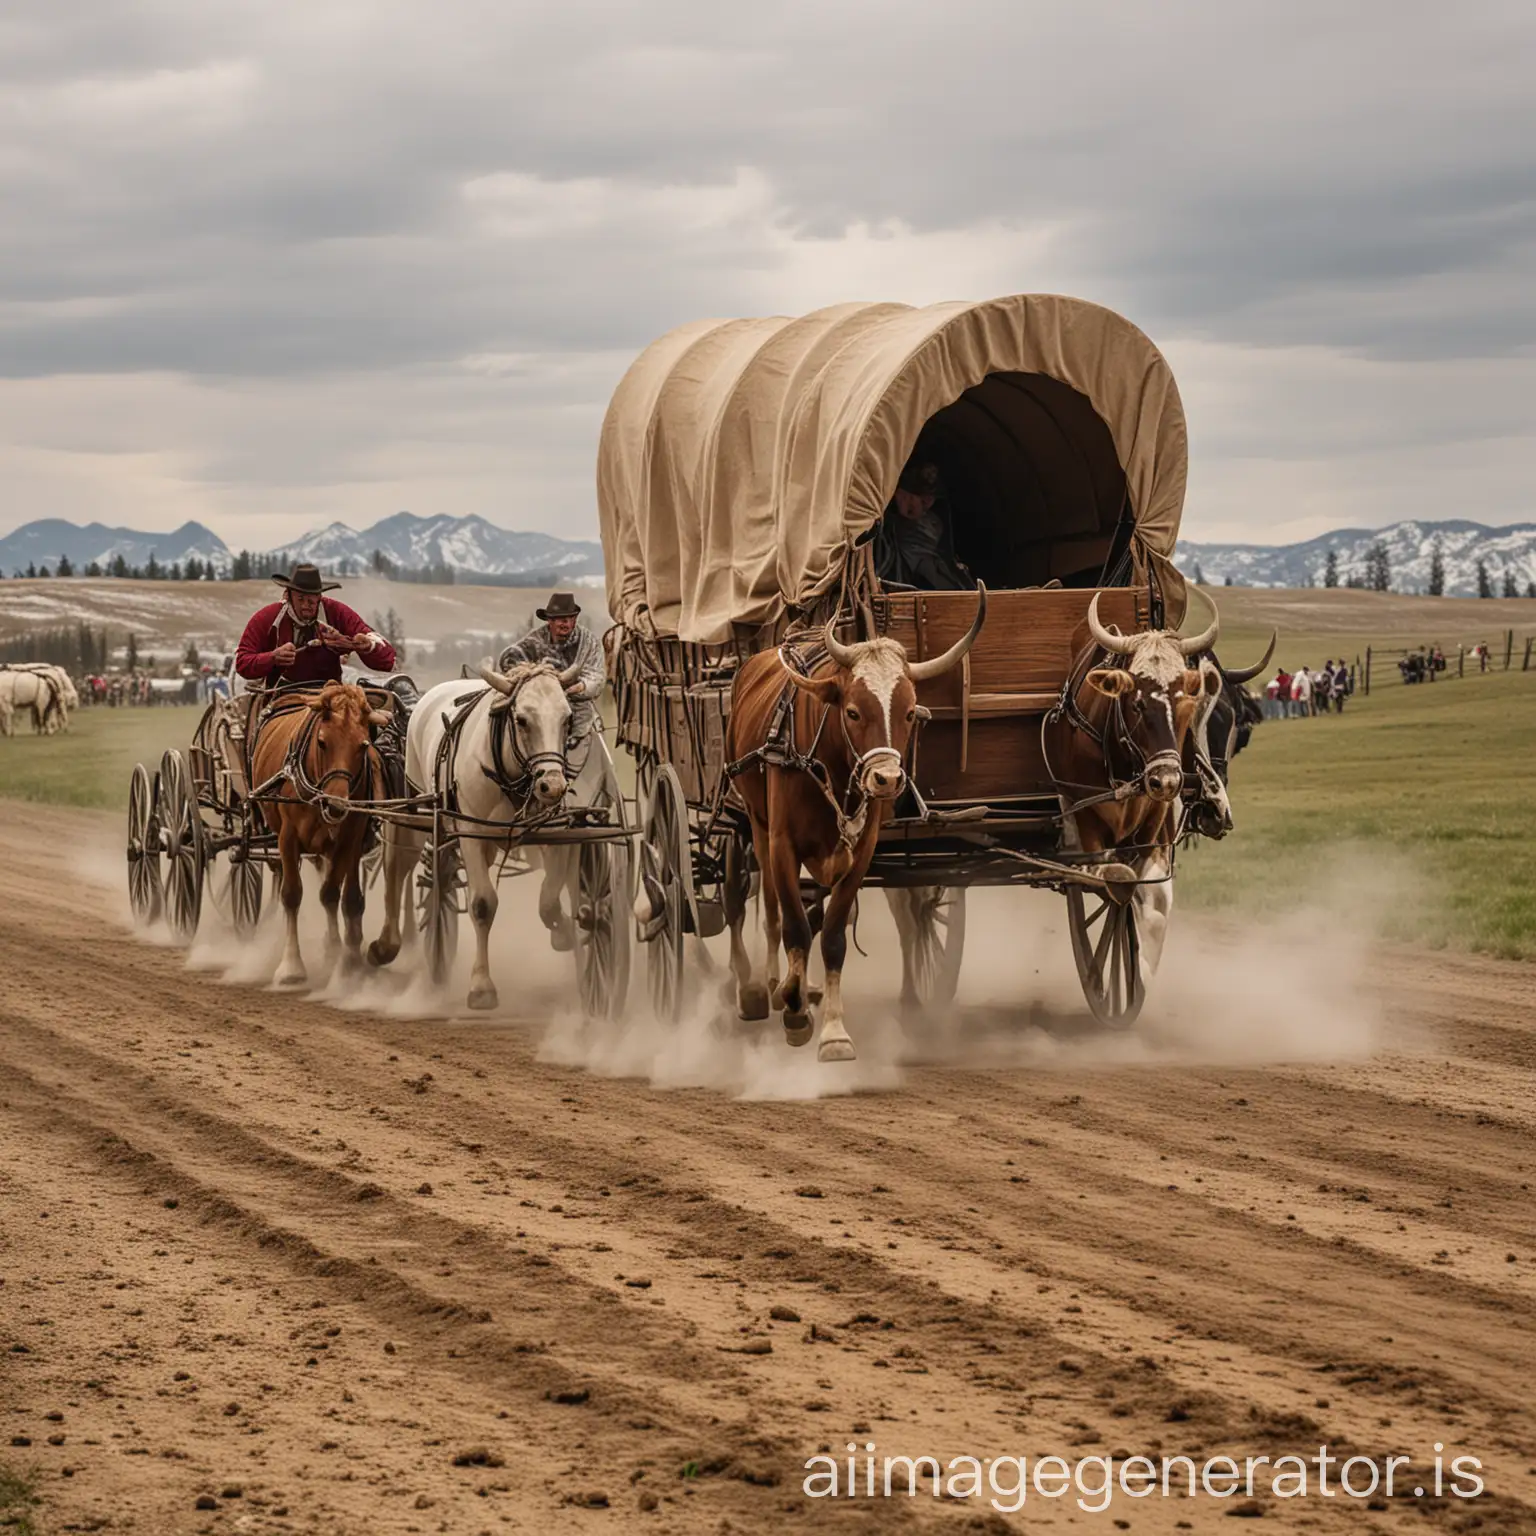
(1121, 742)
(316, 748)
(853, 717)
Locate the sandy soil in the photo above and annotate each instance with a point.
(302, 1262)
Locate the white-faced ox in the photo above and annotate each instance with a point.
(849, 723)
(1125, 730)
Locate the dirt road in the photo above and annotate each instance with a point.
(342, 1271)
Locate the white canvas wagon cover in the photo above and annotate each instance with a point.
(739, 459)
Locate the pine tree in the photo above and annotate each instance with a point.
(1511, 586)
(175, 571)
(32, 570)
(131, 653)
(154, 571)
(1199, 575)
(94, 568)
(119, 566)
(1378, 568)
(240, 567)
(66, 567)
(1331, 569)
(1484, 585)
(1437, 570)
(191, 659)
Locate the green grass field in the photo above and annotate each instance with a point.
(1412, 812)
(90, 763)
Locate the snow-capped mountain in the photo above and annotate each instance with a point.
(42, 542)
(1410, 549)
(470, 546)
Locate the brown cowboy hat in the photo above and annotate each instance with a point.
(305, 579)
(562, 605)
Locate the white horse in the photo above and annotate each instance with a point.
(43, 689)
(507, 764)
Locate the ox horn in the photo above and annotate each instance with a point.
(1120, 645)
(843, 655)
(495, 679)
(1207, 638)
(571, 674)
(921, 671)
(1246, 674)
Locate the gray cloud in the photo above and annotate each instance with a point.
(313, 209)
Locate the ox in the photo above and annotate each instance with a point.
(312, 756)
(820, 805)
(1223, 726)
(1118, 740)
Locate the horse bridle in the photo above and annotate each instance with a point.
(530, 764)
(313, 791)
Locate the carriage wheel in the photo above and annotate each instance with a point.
(665, 848)
(1108, 954)
(144, 892)
(603, 906)
(935, 942)
(181, 836)
(602, 928)
(245, 884)
(439, 880)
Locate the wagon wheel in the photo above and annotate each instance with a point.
(603, 904)
(1108, 953)
(181, 836)
(246, 878)
(663, 859)
(440, 878)
(144, 892)
(933, 942)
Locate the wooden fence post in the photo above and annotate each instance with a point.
(1525, 666)
(1367, 671)
(1509, 646)
(1461, 661)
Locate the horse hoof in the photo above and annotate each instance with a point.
(380, 953)
(798, 1028)
(562, 940)
(813, 995)
(836, 1050)
(292, 978)
(752, 1002)
(483, 997)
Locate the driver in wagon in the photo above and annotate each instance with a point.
(302, 638)
(562, 640)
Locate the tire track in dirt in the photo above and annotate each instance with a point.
(1045, 1260)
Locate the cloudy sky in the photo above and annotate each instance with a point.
(266, 265)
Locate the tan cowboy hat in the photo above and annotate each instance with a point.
(562, 605)
(305, 579)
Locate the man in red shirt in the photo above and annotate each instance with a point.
(303, 638)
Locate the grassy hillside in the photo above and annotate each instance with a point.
(90, 763)
(1411, 811)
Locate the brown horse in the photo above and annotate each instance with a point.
(316, 747)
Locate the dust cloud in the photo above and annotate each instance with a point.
(1292, 988)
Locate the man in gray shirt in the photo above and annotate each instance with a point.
(562, 641)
